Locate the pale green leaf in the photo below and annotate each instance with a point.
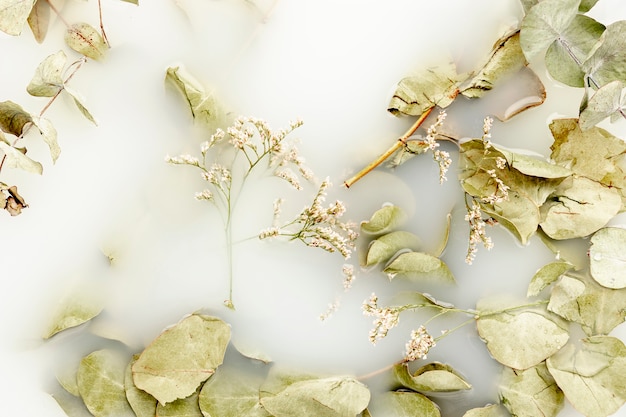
(578, 207)
(13, 118)
(383, 220)
(418, 265)
(49, 135)
(528, 4)
(142, 403)
(598, 309)
(86, 40)
(100, 380)
(544, 23)
(383, 248)
(546, 275)
(16, 159)
(434, 377)
(324, 397)
(71, 405)
(66, 377)
(519, 337)
(586, 5)
(607, 101)
(607, 60)
(13, 15)
(232, 393)
(566, 54)
(403, 404)
(73, 311)
(184, 407)
(530, 393)
(592, 377)
(39, 20)
(78, 100)
(48, 78)
(607, 257)
(182, 357)
(493, 410)
(426, 89)
(534, 166)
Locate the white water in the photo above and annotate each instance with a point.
(331, 63)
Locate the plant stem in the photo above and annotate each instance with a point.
(104, 35)
(397, 145)
(59, 15)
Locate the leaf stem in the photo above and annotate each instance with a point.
(104, 35)
(397, 145)
(59, 15)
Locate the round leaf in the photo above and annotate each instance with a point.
(607, 60)
(74, 311)
(546, 275)
(607, 257)
(13, 15)
(434, 377)
(86, 40)
(419, 265)
(605, 102)
(48, 79)
(529, 393)
(383, 248)
(383, 220)
(142, 403)
(544, 23)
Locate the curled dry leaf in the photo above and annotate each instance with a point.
(86, 40)
(434, 377)
(546, 275)
(383, 220)
(419, 265)
(608, 101)
(78, 100)
(607, 257)
(39, 20)
(74, 311)
(13, 15)
(531, 392)
(13, 118)
(48, 78)
(607, 59)
(10, 200)
(386, 246)
(15, 158)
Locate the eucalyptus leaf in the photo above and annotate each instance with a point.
(598, 309)
(39, 20)
(434, 377)
(184, 407)
(528, 4)
(71, 405)
(607, 59)
(78, 101)
(48, 78)
(182, 357)
(493, 410)
(384, 247)
(16, 159)
(546, 275)
(531, 392)
(544, 23)
(232, 393)
(586, 5)
(142, 403)
(383, 220)
(403, 404)
(13, 15)
(67, 379)
(519, 338)
(49, 136)
(426, 89)
(533, 166)
(418, 265)
(86, 40)
(607, 257)
(411, 148)
(592, 377)
(607, 101)
(100, 380)
(13, 118)
(73, 311)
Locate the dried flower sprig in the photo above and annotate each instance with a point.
(418, 346)
(442, 158)
(477, 225)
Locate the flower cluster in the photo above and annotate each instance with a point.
(419, 345)
(349, 276)
(441, 157)
(332, 308)
(385, 318)
(477, 225)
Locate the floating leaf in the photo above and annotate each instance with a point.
(231, 393)
(86, 40)
(432, 87)
(494, 410)
(607, 101)
(100, 380)
(530, 393)
(546, 275)
(13, 15)
(418, 265)
(13, 118)
(412, 148)
(434, 377)
(607, 60)
(607, 257)
(16, 159)
(49, 135)
(533, 94)
(519, 337)
(403, 404)
(142, 403)
(48, 80)
(545, 23)
(592, 378)
(182, 357)
(79, 104)
(77, 309)
(324, 397)
(533, 166)
(383, 220)
(71, 405)
(383, 248)
(598, 309)
(565, 56)
(67, 379)
(39, 19)
(579, 207)
(184, 407)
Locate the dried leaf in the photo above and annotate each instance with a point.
(79, 104)
(586, 5)
(71, 405)
(13, 15)
(607, 256)
(182, 357)
(142, 403)
(530, 393)
(100, 379)
(519, 338)
(15, 158)
(48, 80)
(231, 393)
(594, 376)
(429, 88)
(533, 94)
(77, 309)
(67, 379)
(49, 135)
(434, 377)
(39, 19)
(184, 407)
(383, 248)
(418, 265)
(494, 410)
(609, 100)
(403, 404)
(14, 203)
(546, 275)
(607, 59)
(528, 4)
(598, 309)
(533, 166)
(412, 148)
(383, 220)
(86, 40)
(13, 118)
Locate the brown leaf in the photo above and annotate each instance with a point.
(15, 203)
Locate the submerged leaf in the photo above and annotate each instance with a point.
(494, 410)
(16, 159)
(593, 378)
(529, 393)
(74, 311)
(184, 407)
(403, 404)
(39, 20)
(86, 40)
(13, 118)
(608, 101)
(383, 220)
(434, 377)
(142, 403)
(544, 23)
(418, 265)
(546, 275)
(519, 337)
(383, 248)
(607, 60)
(13, 15)
(48, 80)
(607, 257)
(182, 357)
